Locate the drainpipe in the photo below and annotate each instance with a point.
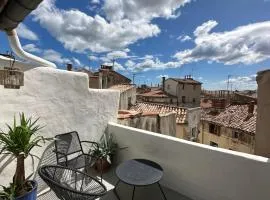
(18, 50)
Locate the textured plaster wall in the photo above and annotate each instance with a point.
(198, 171)
(262, 138)
(63, 102)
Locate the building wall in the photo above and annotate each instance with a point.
(189, 91)
(163, 123)
(193, 122)
(225, 139)
(163, 100)
(263, 111)
(94, 82)
(171, 87)
(124, 98)
(200, 172)
(63, 102)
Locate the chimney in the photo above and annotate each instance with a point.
(251, 108)
(163, 83)
(69, 67)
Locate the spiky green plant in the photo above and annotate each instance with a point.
(18, 141)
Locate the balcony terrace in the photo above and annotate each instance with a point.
(191, 171)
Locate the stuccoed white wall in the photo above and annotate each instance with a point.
(63, 102)
(198, 171)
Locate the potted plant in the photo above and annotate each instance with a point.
(18, 141)
(104, 152)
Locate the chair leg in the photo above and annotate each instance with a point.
(133, 192)
(162, 191)
(114, 190)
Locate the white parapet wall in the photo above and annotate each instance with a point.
(63, 102)
(198, 171)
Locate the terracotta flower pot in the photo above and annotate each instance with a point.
(102, 165)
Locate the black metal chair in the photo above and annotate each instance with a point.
(70, 184)
(70, 153)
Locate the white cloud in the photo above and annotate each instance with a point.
(241, 82)
(80, 32)
(117, 66)
(245, 44)
(162, 75)
(24, 32)
(95, 1)
(142, 9)
(76, 62)
(184, 38)
(129, 64)
(151, 64)
(93, 58)
(117, 54)
(31, 48)
(54, 56)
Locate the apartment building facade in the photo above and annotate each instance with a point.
(234, 128)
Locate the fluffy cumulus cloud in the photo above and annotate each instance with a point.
(31, 48)
(24, 32)
(54, 56)
(140, 9)
(79, 32)
(247, 44)
(150, 63)
(184, 38)
(241, 82)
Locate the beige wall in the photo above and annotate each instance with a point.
(167, 100)
(262, 147)
(124, 98)
(225, 139)
(175, 88)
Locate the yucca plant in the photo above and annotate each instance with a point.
(18, 141)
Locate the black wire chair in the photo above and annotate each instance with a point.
(70, 184)
(70, 153)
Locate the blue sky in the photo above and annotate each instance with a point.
(209, 39)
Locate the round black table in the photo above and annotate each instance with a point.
(139, 172)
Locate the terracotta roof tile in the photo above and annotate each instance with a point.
(181, 113)
(157, 93)
(234, 116)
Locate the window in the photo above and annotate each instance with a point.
(194, 87)
(193, 100)
(183, 99)
(168, 86)
(213, 144)
(193, 132)
(235, 134)
(183, 86)
(214, 129)
(171, 101)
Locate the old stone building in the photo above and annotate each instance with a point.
(127, 95)
(157, 96)
(187, 119)
(234, 128)
(186, 90)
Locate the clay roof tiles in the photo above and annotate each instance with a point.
(181, 113)
(234, 116)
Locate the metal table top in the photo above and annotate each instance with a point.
(139, 172)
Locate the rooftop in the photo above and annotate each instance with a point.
(181, 113)
(186, 80)
(234, 116)
(157, 93)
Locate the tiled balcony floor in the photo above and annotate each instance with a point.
(125, 191)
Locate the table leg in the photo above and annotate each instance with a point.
(162, 191)
(133, 192)
(114, 190)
